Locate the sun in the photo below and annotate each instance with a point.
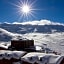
(25, 9)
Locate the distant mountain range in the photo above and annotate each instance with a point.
(42, 32)
(10, 30)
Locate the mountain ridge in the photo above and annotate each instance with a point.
(9, 31)
(52, 35)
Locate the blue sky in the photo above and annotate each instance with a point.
(52, 10)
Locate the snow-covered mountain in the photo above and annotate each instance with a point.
(43, 26)
(8, 31)
(43, 32)
(7, 36)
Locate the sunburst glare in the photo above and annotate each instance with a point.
(25, 9)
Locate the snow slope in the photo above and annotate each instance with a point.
(7, 36)
(43, 32)
(54, 41)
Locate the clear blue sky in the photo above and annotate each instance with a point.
(50, 9)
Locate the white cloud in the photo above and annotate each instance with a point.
(7, 23)
(40, 22)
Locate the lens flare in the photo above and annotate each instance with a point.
(25, 9)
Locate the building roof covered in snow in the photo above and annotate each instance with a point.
(6, 54)
(3, 47)
(42, 58)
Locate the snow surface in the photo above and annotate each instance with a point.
(42, 58)
(4, 46)
(16, 63)
(6, 35)
(54, 41)
(11, 54)
(6, 32)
